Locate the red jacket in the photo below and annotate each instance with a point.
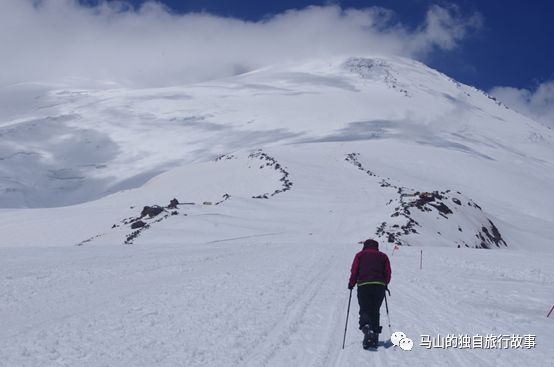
(370, 265)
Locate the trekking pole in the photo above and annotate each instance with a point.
(387, 307)
(347, 313)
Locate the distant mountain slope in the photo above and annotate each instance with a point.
(408, 123)
(72, 146)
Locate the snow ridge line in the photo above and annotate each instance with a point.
(272, 162)
(141, 223)
(487, 235)
(153, 211)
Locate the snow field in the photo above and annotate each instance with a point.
(260, 302)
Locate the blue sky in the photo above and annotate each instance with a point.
(503, 47)
(514, 46)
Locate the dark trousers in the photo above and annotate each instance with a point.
(370, 298)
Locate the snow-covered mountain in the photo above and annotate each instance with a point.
(406, 122)
(270, 178)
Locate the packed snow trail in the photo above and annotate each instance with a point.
(266, 302)
(202, 305)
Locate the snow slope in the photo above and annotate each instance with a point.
(279, 173)
(277, 300)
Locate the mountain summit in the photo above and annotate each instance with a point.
(410, 126)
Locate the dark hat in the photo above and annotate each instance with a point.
(371, 244)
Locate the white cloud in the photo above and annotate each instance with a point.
(537, 104)
(443, 29)
(45, 40)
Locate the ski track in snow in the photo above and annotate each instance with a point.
(275, 303)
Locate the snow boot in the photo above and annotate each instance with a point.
(369, 338)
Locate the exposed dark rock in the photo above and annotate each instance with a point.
(225, 197)
(272, 162)
(435, 202)
(144, 221)
(494, 235)
(173, 204)
(138, 224)
(442, 208)
(225, 156)
(90, 239)
(129, 239)
(151, 211)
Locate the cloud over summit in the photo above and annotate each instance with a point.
(46, 40)
(537, 104)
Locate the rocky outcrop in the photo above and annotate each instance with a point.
(146, 218)
(267, 161)
(441, 217)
